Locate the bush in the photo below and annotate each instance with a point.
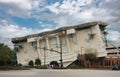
(54, 64)
(19, 64)
(37, 62)
(41, 67)
(7, 56)
(31, 63)
(13, 68)
(91, 57)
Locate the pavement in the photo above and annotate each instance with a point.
(60, 73)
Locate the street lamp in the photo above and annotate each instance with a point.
(61, 54)
(61, 60)
(60, 46)
(81, 63)
(44, 56)
(82, 50)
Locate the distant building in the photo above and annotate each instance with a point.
(112, 58)
(70, 40)
(113, 55)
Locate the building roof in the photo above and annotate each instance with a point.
(80, 26)
(113, 48)
(112, 51)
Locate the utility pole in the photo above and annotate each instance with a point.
(52, 51)
(61, 59)
(44, 56)
(81, 63)
(60, 46)
(61, 54)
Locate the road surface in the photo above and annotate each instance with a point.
(60, 73)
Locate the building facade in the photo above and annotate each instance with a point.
(69, 40)
(113, 55)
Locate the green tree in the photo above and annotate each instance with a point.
(31, 63)
(37, 62)
(6, 55)
(91, 57)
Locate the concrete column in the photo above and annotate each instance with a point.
(68, 44)
(58, 41)
(47, 52)
(38, 48)
(110, 61)
(18, 57)
(47, 43)
(78, 43)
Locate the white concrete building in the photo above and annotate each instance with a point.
(70, 40)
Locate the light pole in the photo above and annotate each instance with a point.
(81, 63)
(60, 46)
(53, 51)
(44, 56)
(61, 60)
(81, 50)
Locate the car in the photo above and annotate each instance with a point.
(116, 67)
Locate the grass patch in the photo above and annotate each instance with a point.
(13, 68)
(40, 67)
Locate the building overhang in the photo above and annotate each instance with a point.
(60, 30)
(19, 39)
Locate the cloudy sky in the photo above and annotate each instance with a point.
(22, 17)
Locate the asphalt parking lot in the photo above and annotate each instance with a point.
(60, 73)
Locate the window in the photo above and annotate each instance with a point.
(53, 43)
(42, 45)
(36, 54)
(89, 46)
(26, 57)
(64, 44)
(107, 62)
(74, 43)
(34, 45)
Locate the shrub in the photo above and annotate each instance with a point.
(31, 63)
(37, 62)
(41, 67)
(19, 64)
(91, 57)
(54, 64)
(13, 68)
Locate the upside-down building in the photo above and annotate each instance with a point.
(70, 40)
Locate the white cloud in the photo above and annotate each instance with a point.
(8, 31)
(113, 36)
(54, 8)
(68, 6)
(19, 8)
(88, 14)
(71, 12)
(35, 4)
(68, 12)
(82, 11)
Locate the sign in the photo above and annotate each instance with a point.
(71, 31)
(57, 46)
(32, 39)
